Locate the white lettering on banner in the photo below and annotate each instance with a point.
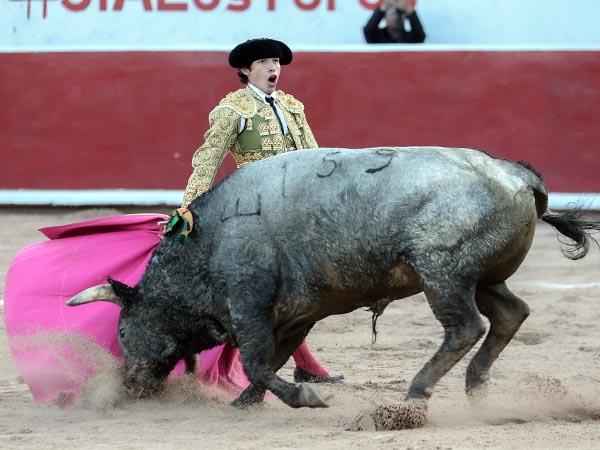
(183, 5)
(46, 25)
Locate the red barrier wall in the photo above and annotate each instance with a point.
(98, 120)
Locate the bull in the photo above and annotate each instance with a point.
(287, 241)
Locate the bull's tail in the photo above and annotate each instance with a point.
(570, 223)
(578, 229)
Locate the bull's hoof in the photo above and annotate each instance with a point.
(309, 396)
(408, 415)
(477, 386)
(478, 393)
(303, 395)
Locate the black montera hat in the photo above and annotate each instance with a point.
(245, 53)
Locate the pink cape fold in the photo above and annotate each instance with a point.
(47, 337)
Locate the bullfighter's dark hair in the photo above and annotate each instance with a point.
(243, 78)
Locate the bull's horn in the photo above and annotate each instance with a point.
(103, 292)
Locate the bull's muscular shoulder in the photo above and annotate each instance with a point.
(290, 103)
(239, 102)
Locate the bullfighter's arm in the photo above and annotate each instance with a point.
(218, 140)
(309, 137)
(296, 120)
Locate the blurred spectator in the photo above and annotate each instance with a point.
(402, 24)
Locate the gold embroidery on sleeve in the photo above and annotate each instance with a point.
(218, 140)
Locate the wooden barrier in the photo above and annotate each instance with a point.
(132, 120)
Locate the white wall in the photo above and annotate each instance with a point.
(512, 22)
(332, 22)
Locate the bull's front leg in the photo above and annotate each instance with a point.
(255, 393)
(252, 395)
(254, 334)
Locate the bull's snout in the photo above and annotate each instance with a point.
(138, 392)
(141, 382)
(141, 390)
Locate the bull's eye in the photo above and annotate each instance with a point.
(122, 333)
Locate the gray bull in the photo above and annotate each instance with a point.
(287, 241)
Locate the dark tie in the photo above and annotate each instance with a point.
(271, 101)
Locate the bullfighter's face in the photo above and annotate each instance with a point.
(264, 74)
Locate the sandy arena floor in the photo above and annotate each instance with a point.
(544, 391)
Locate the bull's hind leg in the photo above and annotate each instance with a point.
(506, 312)
(455, 308)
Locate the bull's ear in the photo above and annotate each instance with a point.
(124, 292)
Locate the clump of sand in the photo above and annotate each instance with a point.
(402, 416)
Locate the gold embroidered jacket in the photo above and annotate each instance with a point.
(261, 137)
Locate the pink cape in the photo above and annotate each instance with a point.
(51, 342)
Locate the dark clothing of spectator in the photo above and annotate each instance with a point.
(376, 35)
